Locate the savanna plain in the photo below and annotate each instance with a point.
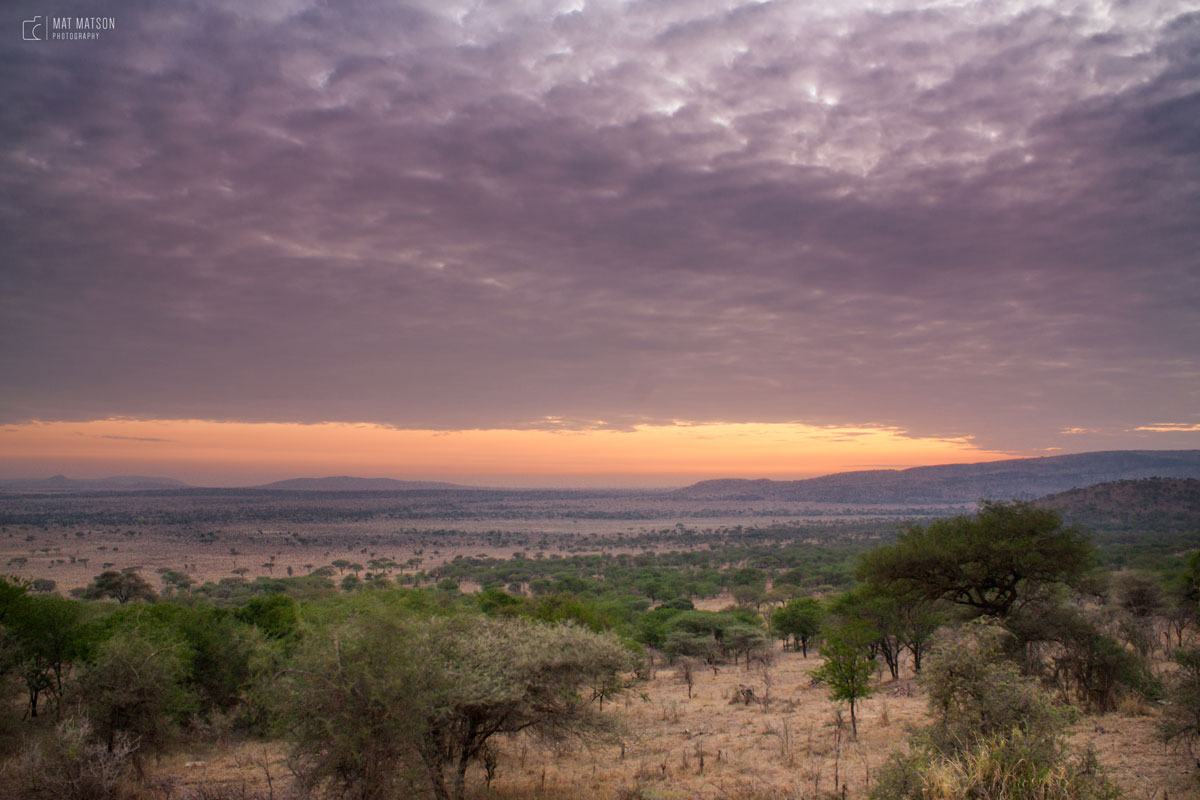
(211, 644)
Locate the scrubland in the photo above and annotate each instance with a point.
(716, 699)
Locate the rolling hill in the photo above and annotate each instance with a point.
(1025, 478)
(1158, 504)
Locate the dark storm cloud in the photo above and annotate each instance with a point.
(963, 218)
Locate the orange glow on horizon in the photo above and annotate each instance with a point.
(240, 453)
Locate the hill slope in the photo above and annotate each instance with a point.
(1157, 504)
(960, 483)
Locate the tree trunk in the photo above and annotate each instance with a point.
(853, 721)
(460, 777)
(437, 781)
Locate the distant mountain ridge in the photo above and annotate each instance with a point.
(116, 483)
(960, 483)
(349, 483)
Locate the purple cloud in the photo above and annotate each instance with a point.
(959, 219)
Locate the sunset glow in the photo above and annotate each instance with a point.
(232, 453)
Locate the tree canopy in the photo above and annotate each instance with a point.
(381, 696)
(121, 586)
(990, 562)
(800, 619)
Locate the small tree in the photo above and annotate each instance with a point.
(800, 619)
(847, 669)
(685, 670)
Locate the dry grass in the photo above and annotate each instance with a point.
(705, 747)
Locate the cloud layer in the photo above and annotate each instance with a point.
(956, 218)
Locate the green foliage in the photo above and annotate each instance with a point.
(352, 700)
(991, 562)
(1083, 661)
(372, 700)
(1181, 719)
(974, 692)
(44, 636)
(706, 635)
(276, 615)
(133, 687)
(120, 586)
(847, 669)
(568, 608)
(43, 585)
(799, 619)
(995, 735)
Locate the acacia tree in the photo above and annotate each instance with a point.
(991, 562)
(121, 586)
(847, 668)
(374, 700)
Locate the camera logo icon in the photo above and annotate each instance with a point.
(33, 30)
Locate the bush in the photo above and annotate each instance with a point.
(1087, 664)
(995, 733)
(69, 765)
(1181, 719)
(377, 700)
(1000, 767)
(133, 689)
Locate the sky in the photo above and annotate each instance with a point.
(595, 243)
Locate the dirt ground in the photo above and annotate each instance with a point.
(794, 746)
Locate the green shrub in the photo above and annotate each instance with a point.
(1181, 719)
(995, 734)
